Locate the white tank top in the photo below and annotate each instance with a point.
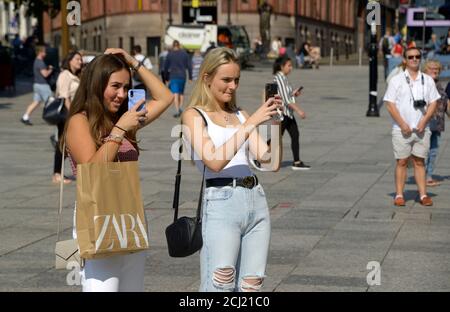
(238, 166)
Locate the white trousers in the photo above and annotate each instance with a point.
(124, 273)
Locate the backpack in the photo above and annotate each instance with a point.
(136, 76)
(386, 46)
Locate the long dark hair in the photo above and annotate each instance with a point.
(279, 63)
(89, 97)
(66, 62)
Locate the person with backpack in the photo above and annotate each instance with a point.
(41, 88)
(387, 42)
(143, 60)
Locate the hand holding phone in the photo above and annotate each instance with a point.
(272, 91)
(134, 96)
(298, 90)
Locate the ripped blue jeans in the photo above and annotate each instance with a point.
(236, 236)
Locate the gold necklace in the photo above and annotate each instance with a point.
(226, 117)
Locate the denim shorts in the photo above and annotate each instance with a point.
(236, 236)
(41, 92)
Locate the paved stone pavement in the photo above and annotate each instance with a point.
(327, 223)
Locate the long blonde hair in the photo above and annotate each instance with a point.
(201, 95)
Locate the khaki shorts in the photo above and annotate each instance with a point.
(415, 144)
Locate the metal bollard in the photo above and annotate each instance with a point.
(360, 57)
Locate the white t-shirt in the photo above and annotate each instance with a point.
(401, 94)
(146, 62)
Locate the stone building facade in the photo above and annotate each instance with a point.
(123, 23)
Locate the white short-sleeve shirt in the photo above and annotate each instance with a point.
(403, 94)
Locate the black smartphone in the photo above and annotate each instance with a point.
(271, 90)
(300, 89)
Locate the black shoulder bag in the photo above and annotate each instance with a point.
(184, 235)
(54, 111)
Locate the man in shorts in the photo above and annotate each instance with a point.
(411, 99)
(41, 89)
(176, 64)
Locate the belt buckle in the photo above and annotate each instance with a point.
(248, 182)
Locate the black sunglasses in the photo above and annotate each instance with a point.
(417, 57)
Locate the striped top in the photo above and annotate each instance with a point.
(285, 91)
(127, 152)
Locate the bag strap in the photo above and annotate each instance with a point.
(176, 196)
(61, 188)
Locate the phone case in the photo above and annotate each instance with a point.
(271, 90)
(134, 96)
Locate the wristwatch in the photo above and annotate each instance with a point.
(136, 68)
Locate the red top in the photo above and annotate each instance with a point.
(398, 49)
(127, 152)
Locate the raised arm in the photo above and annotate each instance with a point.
(162, 97)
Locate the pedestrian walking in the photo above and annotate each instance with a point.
(99, 128)
(437, 122)
(281, 69)
(236, 221)
(41, 88)
(176, 64)
(144, 60)
(385, 46)
(66, 87)
(411, 99)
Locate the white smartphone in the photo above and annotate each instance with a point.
(134, 96)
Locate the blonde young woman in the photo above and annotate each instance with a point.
(236, 223)
(101, 128)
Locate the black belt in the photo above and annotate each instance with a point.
(247, 182)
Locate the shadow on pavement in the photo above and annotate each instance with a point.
(5, 105)
(411, 195)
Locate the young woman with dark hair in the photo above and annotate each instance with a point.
(100, 128)
(66, 87)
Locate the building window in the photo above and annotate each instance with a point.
(153, 46)
(120, 42)
(94, 39)
(131, 43)
(85, 40)
(99, 39)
